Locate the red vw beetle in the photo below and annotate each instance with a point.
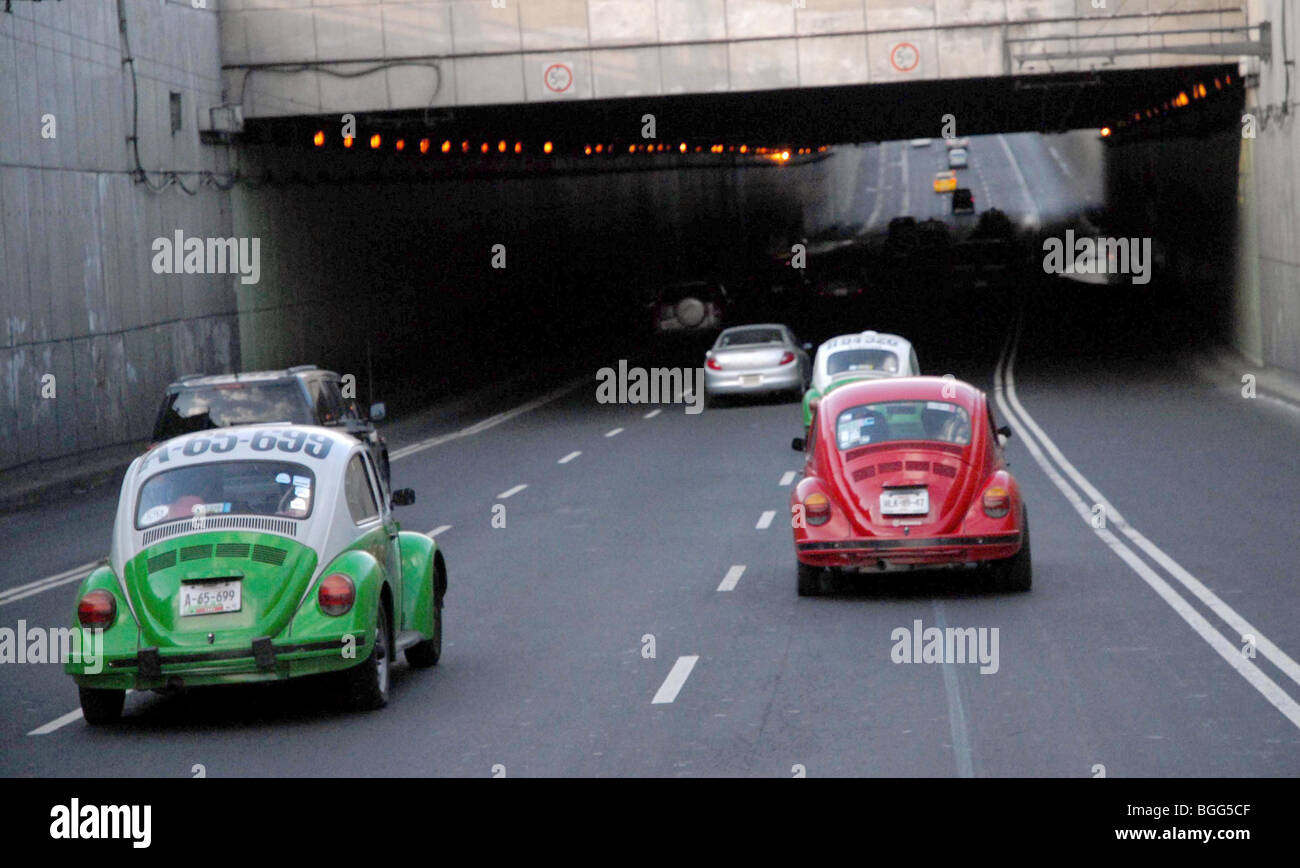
(907, 471)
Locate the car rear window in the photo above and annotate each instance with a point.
(218, 406)
(743, 337)
(279, 488)
(865, 360)
(902, 420)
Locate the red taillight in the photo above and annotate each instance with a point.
(997, 502)
(336, 594)
(817, 508)
(787, 358)
(712, 364)
(97, 609)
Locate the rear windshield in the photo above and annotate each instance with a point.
(869, 361)
(200, 408)
(902, 420)
(277, 488)
(742, 337)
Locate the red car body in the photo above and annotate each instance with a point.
(975, 511)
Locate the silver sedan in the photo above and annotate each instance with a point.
(753, 359)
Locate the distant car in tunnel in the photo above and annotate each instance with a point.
(963, 201)
(853, 357)
(945, 182)
(258, 554)
(756, 359)
(689, 306)
(962, 142)
(907, 473)
(920, 143)
(957, 158)
(302, 395)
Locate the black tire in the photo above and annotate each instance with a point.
(101, 706)
(421, 655)
(1016, 573)
(809, 580)
(366, 684)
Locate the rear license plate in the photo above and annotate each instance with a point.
(906, 501)
(750, 379)
(210, 598)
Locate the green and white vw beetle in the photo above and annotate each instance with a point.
(258, 553)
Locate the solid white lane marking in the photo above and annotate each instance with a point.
(439, 529)
(1051, 149)
(511, 492)
(1031, 216)
(765, 520)
(57, 723)
(676, 678)
(572, 455)
(614, 433)
(490, 422)
(907, 182)
(733, 575)
(652, 414)
(956, 712)
(879, 189)
(787, 477)
(1004, 381)
(75, 574)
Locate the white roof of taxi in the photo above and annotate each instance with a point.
(307, 452)
(865, 339)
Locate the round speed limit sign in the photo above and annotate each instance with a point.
(904, 57)
(558, 77)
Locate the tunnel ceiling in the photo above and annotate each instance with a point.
(1134, 102)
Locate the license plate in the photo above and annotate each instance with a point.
(210, 598)
(909, 501)
(750, 379)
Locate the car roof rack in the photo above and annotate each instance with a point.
(296, 368)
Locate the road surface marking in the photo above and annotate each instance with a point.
(907, 182)
(1056, 155)
(490, 422)
(765, 520)
(787, 477)
(1009, 403)
(733, 575)
(652, 414)
(956, 713)
(1031, 216)
(73, 575)
(57, 723)
(614, 433)
(439, 529)
(879, 188)
(572, 455)
(511, 492)
(676, 678)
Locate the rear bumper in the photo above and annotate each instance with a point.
(263, 660)
(785, 378)
(952, 549)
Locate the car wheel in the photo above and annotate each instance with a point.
(809, 580)
(1016, 573)
(101, 706)
(429, 652)
(367, 682)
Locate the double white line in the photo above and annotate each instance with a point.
(1057, 468)
(76, 574)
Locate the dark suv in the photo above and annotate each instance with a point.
(301, 395)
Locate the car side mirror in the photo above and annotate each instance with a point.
(404, 497)
(798, 444)
(1005, 431)
(807, 347)
(378, 411)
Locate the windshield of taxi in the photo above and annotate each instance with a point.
(278, 488)
(902, 420)
(871, 361)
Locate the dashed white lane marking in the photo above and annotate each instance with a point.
(572, 455)
(511, 492)
(676, 678)
(787, 477)
(57, 723)
(652, 414)
(439, 529)
(75, 574)
(487, 423)
(765, 520)
(614, 433)
(733, 575)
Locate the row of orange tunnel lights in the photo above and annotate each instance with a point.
(1199, 91)
(502, 147)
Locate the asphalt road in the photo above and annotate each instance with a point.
(1124, 656)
